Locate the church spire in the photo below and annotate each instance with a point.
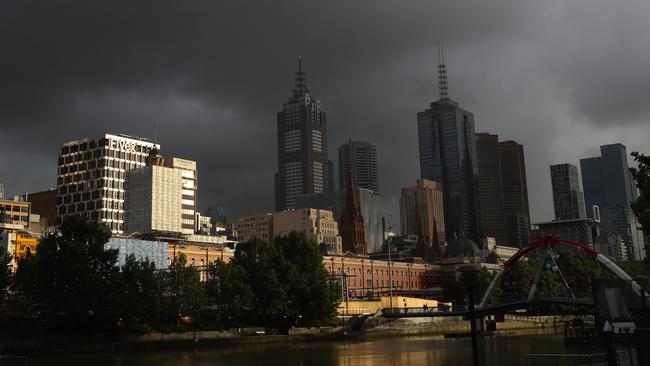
(351, 222)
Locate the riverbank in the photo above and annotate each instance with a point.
(126, 342)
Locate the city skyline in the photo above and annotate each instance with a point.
(205, 111)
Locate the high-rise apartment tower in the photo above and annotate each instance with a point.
(568, 200)
(358, 158)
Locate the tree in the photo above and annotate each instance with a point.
(139, 292)
(457, 291)
(312, 299)
(72, 275)
(228, 292)
(641, 206)
(5, 275)
(261, 261)
(182, 289)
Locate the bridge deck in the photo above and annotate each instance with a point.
(486, 310)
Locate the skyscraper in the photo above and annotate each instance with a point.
(515, 193)
(90, 180)
(302, 146)
(358, 158)
(447, 147)
(609, 190)
(568, 200)
(493, 220)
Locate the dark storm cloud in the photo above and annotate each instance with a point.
(212, 74)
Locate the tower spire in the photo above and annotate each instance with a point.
(301, 81)
(442, 74)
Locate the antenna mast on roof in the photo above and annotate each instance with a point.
(442, 74)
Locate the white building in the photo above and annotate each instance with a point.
(161, 197)
(153, 200)
(188, 176)
(91, 173)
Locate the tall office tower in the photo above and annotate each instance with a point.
(515, 193)
(609, 189)
(189, 178)
(351, 223)
(422, 206)
(493, 219)
(447, 145)
(359, 158)
(302, 147)
(2, 191)
(568, 200)
(90, 180)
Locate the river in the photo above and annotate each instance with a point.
(394, 351)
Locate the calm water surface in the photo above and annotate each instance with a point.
(412, 350)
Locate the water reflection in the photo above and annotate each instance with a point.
(394, 351)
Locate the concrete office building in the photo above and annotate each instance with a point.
(609, 190)
(420, 205)
(189, 188)
(91, 172)
(358, 158)
(447, 147)
(319, 225)
(568, 201)
(369, 206)
(15, 213)
(153, 200)
(255, 226)
(303, 166)
(161, 196)
(44, 204)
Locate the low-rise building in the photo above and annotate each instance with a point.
(143, 250)
(319, 225)
(15, 211)
(19, 244)
(255, 226)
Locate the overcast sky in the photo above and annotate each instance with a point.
(561, 77)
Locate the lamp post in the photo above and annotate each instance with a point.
(471, 270)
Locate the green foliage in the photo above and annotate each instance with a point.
(311, 300)
(229, 293)
(261, 262)
(183, 292)
(288, 282)
(457, 291)
(5, 273)
(72, 275)
(641, 206)
(139, 292)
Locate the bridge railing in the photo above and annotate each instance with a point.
(423, 310)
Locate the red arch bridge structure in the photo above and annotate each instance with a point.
(545, 246)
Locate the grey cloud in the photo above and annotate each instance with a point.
(211, 76)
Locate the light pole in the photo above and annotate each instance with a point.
(470, 270)
(390, 276)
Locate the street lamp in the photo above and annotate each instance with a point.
(471, 270)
